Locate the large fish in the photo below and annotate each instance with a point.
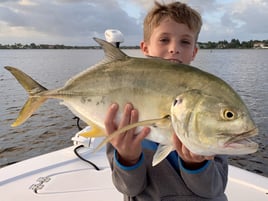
(207, 115)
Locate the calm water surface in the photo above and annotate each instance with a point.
(52, 126)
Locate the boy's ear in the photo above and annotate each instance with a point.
(194, 53)
(144, 48)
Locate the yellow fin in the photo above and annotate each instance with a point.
(36, 94)
(95, 131)
(32, 104)
(161, 122)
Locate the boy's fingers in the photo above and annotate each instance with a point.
(134, 117)
(126, 115)
(109, 119)
(144, 132)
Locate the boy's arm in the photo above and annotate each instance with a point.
(205, 176)
(208, 181)
(124, 152)
(127, 144)
(134, 176)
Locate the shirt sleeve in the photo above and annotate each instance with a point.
(210, 180)
(123, 175)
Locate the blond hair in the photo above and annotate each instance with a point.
(177, 11)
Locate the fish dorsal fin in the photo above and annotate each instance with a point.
(111, 52)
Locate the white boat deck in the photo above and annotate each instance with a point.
(61, 175)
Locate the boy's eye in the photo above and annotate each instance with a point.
(186, 42)
(164, 40)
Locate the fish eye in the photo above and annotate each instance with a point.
(228, 114)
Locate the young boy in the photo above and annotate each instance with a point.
(170, 32)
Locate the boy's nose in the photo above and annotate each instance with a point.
(174, 50)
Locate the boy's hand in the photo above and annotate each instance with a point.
(128, 144)
(191, 160)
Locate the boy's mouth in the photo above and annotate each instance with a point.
(175, 60)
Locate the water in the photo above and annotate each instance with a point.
(52, 126)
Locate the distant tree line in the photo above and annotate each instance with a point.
(44, 46)
(234, 43)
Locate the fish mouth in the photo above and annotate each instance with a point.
(241, 138)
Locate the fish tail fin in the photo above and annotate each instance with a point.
(31, 105)
(35, 98)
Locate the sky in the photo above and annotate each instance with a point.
(76, 22)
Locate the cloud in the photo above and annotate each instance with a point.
(242, 19)
(75, 22)
(68, 18)
(254, 16)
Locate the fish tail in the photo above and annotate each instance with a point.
(34, 90)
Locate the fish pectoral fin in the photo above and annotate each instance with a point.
(163, 122)
(94, 132)
(161, 153)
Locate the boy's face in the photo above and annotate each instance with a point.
(173, 41)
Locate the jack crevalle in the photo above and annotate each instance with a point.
(207, 115)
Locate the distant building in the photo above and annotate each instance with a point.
(260, 45)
